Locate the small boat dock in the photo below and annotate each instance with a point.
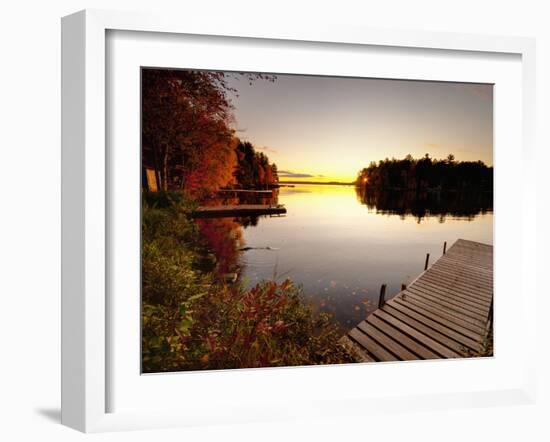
(445, 313)
(238, 210)
(246, 192)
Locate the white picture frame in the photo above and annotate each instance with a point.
(85, 202)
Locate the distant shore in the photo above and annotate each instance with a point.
(330, 183)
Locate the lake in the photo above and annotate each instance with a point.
(341, 244)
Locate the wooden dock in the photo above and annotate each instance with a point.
(247, 191)
(445, 313)
(238, 210)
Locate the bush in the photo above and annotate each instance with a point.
(192, 321)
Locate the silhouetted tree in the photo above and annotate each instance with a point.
(426, 173)
(253, 169)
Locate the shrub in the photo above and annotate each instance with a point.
(193, 321)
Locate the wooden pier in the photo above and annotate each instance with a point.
(445, 313)
(238, 210)
(247, 191)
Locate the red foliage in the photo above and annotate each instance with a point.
(224, 239)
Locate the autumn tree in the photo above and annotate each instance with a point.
(186, 118)
(188, 138)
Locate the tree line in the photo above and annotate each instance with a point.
(188, 140)
(426, 173)
(253, 168)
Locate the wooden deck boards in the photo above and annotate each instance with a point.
(442, 314)
(247, 191)
(238, 210)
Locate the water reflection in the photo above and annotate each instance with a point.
(228, 198)
(224, 238)
(428, 203)
(338, 251)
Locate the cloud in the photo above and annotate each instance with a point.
(266, 149)
(288, 174)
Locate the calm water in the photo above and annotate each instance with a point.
(341, 246)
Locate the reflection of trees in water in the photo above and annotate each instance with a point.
(457, 204)
(248, 221)
(242, 198)
(224, 236)
(252, 221)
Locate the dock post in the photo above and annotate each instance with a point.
(403, 287)
(381, 300)
(427, 261)
(445, 247)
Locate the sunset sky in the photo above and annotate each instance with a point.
(327, 128)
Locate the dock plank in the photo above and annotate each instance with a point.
(445, 313)
(391, 345)
(483, 265)
(442, 314)
(439, 317)
(455, 294)
(358, 350)
(467, 271)
(238, 210)
(405, 316)
(365, 341)
(458, 275)
(465, 289)
(470, 303)
(456, 278)
(436, 349)
(448, 303)
(378, 320)
(461, 335)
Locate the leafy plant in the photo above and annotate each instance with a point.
(192, 320)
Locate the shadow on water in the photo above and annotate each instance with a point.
(441, 204)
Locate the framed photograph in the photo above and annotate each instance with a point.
(273, 222)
